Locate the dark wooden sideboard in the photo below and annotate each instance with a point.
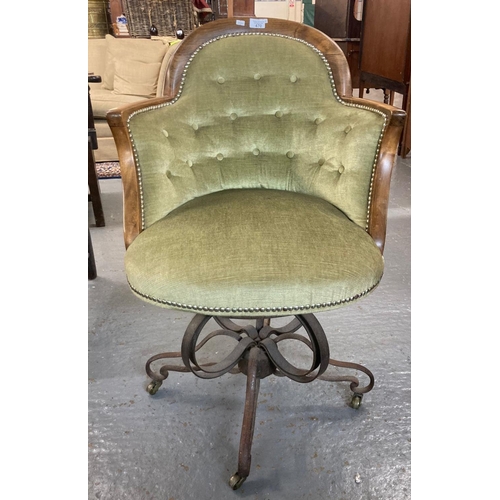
(231, 8)
(385, 52)
(377, 47)
(385, 45)
(336, 19)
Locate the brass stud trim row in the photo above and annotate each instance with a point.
(236, 310)
(181, 87)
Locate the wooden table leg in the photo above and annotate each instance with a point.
(92, 266)
(95, 191)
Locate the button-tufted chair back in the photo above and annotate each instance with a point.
(253, 108)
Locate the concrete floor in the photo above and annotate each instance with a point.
(182, 443)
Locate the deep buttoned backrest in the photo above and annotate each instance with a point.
(260, 111)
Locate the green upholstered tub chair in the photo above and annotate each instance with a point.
(257, 188)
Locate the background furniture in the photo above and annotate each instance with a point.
(167, 16)
(93, 181)
(336, 19)
(141, 64)
(178, 13)
(385, 52)
(91, 259)
(231, 8)
(245, 203)
(385, 46)
(98, 23)
(377, 47)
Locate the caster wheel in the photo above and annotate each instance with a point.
(236, 481)
(356, 401)
(154, 386)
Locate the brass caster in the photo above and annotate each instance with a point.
(154, 386)
(356, 401)
(236, 481)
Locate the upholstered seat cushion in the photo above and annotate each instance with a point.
(251, 252)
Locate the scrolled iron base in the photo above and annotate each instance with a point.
(256, 355)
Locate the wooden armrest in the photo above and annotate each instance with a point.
(379, 200)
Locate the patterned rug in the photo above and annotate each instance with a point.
(108, 170)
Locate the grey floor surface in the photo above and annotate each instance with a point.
(182, 443)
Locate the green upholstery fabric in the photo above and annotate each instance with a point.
(256, 111)
(251, 252)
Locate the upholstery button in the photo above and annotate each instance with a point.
(318, 121)
(189, 163)
(195, 126)
(233, 116)
(321, 162)
(293, 78)
(257, 76)
(348, 129)
(220, 80)
(165, 133)
(168, 174)
(220, 156)
(256, 152)
(290, 154)
(278, 114)
(341, 169)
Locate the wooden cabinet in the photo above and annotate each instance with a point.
(385, 51)
(239, 8)
(385, 45)
(336, 19)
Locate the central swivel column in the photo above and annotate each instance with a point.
(257, 366)
(257, 356)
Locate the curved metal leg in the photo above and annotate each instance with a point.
(158, 378)
(354, 386)
(248, 426)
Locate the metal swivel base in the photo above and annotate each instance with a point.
(256, 355)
